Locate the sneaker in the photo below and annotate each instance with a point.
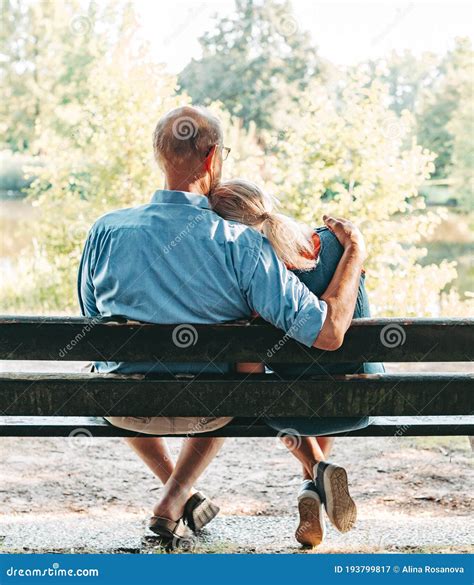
(333, 488)
(311, 528)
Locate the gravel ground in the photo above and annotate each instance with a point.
(94, 495)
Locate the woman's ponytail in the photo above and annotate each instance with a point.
(243, 201)
(291, 240)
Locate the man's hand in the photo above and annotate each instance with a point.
(347, 233)
(341, 294)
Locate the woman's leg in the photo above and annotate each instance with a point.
(306, 450)
(362, 309)
(325, 443)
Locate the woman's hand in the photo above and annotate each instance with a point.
(250, 368)
(347, 233)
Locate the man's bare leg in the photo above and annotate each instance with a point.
(155, 453)
(195, 456)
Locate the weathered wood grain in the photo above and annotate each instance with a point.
(254, 396)
(390, 340)
(55, 426)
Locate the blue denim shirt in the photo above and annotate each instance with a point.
(176, 261)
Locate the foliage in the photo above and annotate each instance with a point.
(345, 151)
(48, 50)
(103, 163)
(461, 127)
(369, 173)
(252, 62)
(438, 92)
(13, 176)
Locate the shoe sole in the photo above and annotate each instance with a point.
(166, 534)
(340, 507)
(203, 514)
(310, 531)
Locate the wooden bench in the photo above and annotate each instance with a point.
(58, 404)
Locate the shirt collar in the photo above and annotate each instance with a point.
(181, 198)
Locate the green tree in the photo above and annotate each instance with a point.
(407, 76)
(341, 152)
(97, 156)
(348, 155)
(431, 88)
(461, 126)
(252, 62)
(441, 102)
(47, 51)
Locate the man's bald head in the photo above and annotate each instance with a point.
(183, 138)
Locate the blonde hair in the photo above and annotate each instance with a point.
(243, 201)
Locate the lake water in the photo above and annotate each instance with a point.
(453, 240)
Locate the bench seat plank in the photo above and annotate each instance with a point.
(404, 426)
(251, 396)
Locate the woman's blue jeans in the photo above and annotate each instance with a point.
(317, 280)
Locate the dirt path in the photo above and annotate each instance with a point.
(93, 494)
(422, 483)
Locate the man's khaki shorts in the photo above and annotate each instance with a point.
(169, 425)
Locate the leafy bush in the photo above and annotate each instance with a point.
(340, 150)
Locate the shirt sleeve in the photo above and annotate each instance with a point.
(85, 285)
(282, 299)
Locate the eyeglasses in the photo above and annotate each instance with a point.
(225, 151)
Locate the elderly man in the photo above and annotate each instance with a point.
(175, 261)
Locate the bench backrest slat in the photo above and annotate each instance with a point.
(78, 339)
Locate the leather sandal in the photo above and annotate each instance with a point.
(170, 530)
(199, 511)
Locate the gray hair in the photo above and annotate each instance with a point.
(184, 136)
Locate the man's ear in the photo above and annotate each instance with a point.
(208, 161)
